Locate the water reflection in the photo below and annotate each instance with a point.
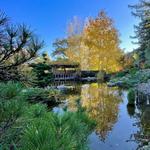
(131, 110)
(119, 126)
(143, 117)
(102, 104)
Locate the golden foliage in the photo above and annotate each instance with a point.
(95, 45)
(102, 39)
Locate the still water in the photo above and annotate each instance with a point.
(117, 124)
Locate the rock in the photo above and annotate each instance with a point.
(89, 79)
(144, 88)
(112, 84)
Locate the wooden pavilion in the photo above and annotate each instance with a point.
(65, 70)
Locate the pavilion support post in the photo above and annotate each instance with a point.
(147, 100)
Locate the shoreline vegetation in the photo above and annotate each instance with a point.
(25, 124)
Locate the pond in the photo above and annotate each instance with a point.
(118, 125)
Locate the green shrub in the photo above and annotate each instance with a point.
(9, 128)
(13, 133)
(57, 131)
(10, 109)
(35, 111)
(131, 97)
(11, 101)
(15, 112)
(43, 73)
(133, 71)
(30, 126)
(10, 90)
(120, 74)
(147, 65)
(42, 95)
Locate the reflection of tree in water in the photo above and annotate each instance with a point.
(146, 120)
(131, 110)
(101, 104)
(72, 102)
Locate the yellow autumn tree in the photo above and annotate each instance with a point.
(77, 50)
(94, 44)
(74, 38)
(70, 47)
(102, 40)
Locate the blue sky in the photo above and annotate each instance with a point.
(49, 18)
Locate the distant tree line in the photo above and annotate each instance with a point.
(142, 31)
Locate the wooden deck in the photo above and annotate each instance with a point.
(64, 71)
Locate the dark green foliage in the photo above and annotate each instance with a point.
(35, 111)
(10, 101)
(147, 52)
(147, 65)
(13, 133)
(133, 71)
(142, 10)
(57, 131)
(28, 126)
(12, 107)
(120, 74)
(60, 46)
(35, 95)
(131, 97)
(15, 110)
(43, 73)
(10, 90)
(131, 110)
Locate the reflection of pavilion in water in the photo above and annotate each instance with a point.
(71, 92)
(68, 87)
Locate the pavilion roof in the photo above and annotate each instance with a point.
(64, 63)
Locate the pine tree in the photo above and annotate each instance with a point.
(18, 45)
(60, 45)
(142, 30)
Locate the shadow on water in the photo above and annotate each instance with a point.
(119, 126)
